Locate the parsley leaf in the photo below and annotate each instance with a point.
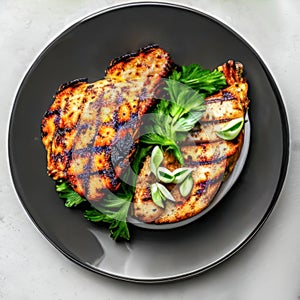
(114, 211)
(202, 80)
(176, 115)
(68, 194)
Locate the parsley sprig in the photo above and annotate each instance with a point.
(66, 193)
(177, 114)
(202, 80)
(113, 210)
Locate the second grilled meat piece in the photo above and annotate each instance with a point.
(212, 158)
(91, 129)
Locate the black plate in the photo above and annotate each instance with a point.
(84, 50)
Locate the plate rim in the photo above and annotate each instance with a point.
(286, 139)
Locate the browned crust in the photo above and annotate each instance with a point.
(86, 122)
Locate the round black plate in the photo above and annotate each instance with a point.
(84, 50)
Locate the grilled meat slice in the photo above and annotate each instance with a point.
(212, 158)
(91, 129)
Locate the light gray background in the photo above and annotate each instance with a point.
(267, 268)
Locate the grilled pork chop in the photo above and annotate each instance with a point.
(212, 158)
(91, 129)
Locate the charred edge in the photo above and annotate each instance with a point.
(239, 68)
(233, 71)
(131, 55)
(49, 113)
(62, 157)
(71, 83)
(109, 173)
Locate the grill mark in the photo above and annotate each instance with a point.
(216, 121)
(82, 127)
(81, 107)
(87, 168)
(60, 131)
(195, 142)
(84, 151)
(56, 158)
(47, 115)
(203, 185)
(126, 124)
(226, 96)
(207, 162)
(118, 126)
(87, 175)
(198, 128)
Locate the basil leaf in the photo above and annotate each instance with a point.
(156, 195)
(181, 174)
(231, 130)
(156, 159)
(187, 122)
(187, 186)
(165, 192)
(165, 175)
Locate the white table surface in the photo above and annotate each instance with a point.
(267, 268)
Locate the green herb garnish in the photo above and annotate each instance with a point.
(156, 195)
(114, 210)
(202, 80)
(186, 186)
(160, 194)
(181, 176)
(164, 175)
(231, 130)
(68, 194)
(176, 115)
(156, 159)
